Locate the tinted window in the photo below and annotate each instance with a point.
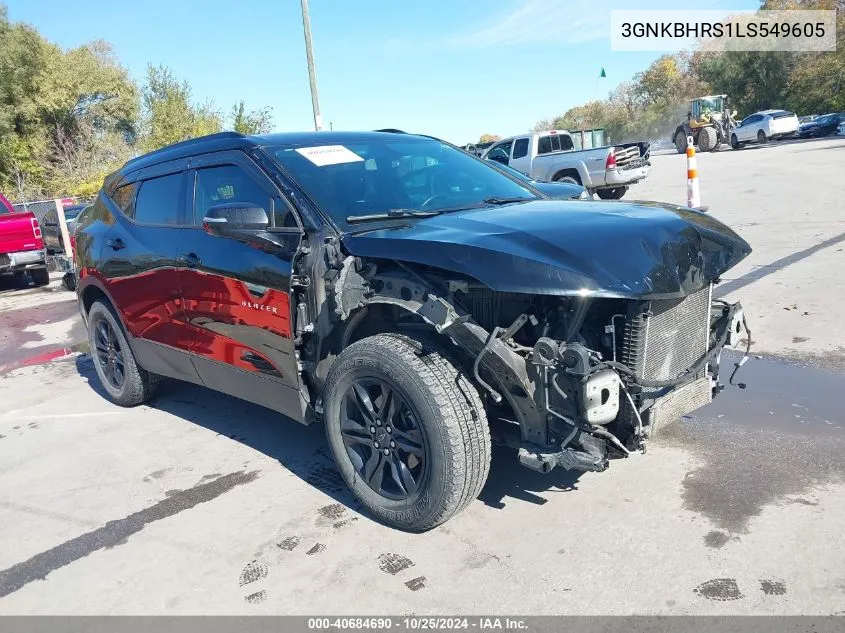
(499, 154)
(502, 149)
(544, 145)
(554, 143)
(230, 183)
(159, 200)
(520, 148)
(124, 198)
(371, 175)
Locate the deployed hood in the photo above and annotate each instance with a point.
(602, 249)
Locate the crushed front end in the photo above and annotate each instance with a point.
(600, 375)
(629, 373)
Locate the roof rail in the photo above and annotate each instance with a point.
(391, 131)
(190, 141)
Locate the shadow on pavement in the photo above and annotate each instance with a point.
(303, 450)
(11, 283)
(509, 479)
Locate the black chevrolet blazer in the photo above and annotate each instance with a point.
(411, 297)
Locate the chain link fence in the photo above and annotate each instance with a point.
(41, 207)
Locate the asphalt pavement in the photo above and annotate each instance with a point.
(202, 503)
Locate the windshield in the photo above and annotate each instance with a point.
(711, 104)
(383, 173)
(72, 212)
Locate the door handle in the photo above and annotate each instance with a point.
(116, 243)
(191, 260)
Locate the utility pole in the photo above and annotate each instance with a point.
(312, 75)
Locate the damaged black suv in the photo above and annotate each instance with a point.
(415, 299)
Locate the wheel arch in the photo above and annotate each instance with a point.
(403, 294)
(571, 172)
(90, 290)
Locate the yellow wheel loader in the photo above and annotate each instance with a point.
(710, 123)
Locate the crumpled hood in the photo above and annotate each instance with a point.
(603, 249)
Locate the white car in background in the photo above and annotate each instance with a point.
(764, 126)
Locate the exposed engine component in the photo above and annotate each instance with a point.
(580, 379)
(600, 397)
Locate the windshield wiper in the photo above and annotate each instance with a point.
(497, 200)
(391, 214)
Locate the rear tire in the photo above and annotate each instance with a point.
(708, 139)
(40, 276)
(569, 179)
(612, 194)
(441, 417)
(126, 383)
(761, 137)
(681, 142)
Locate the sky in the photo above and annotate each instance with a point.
(451, 68)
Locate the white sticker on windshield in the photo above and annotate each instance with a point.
(329, 155)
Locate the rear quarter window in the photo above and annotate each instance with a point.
(544, 145)
(124, 198)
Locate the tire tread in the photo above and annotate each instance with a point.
(461, 412)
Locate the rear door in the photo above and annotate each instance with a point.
(237, 294)
(747, 129)
(140, 268)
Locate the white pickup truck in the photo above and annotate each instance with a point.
(551, 156)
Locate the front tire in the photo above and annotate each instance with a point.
(708, 139)
(681, 142)
(407, 398)
(126, 383)
(761, 137)
(735, 142)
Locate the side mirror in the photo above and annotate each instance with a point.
(235, 218)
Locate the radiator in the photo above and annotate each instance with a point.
(663, 338)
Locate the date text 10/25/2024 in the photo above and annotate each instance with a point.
(416, 623)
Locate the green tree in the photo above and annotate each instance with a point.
(169, 116)
(66, 117)
(253, 122)
(489, 138)
(753, 80)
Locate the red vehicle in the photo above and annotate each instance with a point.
(21, 244)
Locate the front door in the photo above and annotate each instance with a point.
(237, 294)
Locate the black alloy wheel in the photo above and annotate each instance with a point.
(383, 439)
(109, 354)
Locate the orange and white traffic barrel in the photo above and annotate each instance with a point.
(693, 193)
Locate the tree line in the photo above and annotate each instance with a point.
(69, 117)
(656, 100)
